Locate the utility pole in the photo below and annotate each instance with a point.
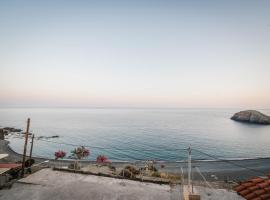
(192, 175)
(32, 143)
(182, 184)
(25, 145)
(189, 168)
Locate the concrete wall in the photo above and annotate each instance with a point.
(3, 180)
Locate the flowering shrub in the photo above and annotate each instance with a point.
(59, 154)
(150, 165)
(102, 159)
(80, 152)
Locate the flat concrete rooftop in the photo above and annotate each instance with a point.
(56, 185)
(48, 184)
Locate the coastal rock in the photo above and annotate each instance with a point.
(12, 130)
(251, 116)
(47, 137)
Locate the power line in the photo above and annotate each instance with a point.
(152, 150)
(108, 148)
(230, 162)
(197, 169)
(207, 183)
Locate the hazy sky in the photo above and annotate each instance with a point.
(135, 53)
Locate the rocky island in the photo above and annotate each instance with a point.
(251, 116)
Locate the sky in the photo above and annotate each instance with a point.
(143, 53)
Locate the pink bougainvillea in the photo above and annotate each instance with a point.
(102, 159)
(59, 154)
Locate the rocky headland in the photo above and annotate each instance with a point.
(252, 117)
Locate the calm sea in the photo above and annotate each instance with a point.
(139, 134)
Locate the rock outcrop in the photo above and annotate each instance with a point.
(12, 130)
(251, 116)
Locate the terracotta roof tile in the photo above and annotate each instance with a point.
(263, 184)
(260, 192)
(267, 189)
(257, 180)
(253, 188)
(239, 188)
(10, 165)
(265, 196)
(250, 196)
(249, 184)
(244, 192)
(257, 198)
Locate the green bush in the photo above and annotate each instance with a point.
(132, 169)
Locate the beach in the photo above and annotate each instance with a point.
(230, 170)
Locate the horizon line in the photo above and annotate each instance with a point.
(129, 107)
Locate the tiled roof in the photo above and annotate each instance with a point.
(10, 165)
(255, 189)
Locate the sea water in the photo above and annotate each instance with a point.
(140, 134)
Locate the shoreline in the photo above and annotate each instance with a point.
(10, 149)
(219, 170)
